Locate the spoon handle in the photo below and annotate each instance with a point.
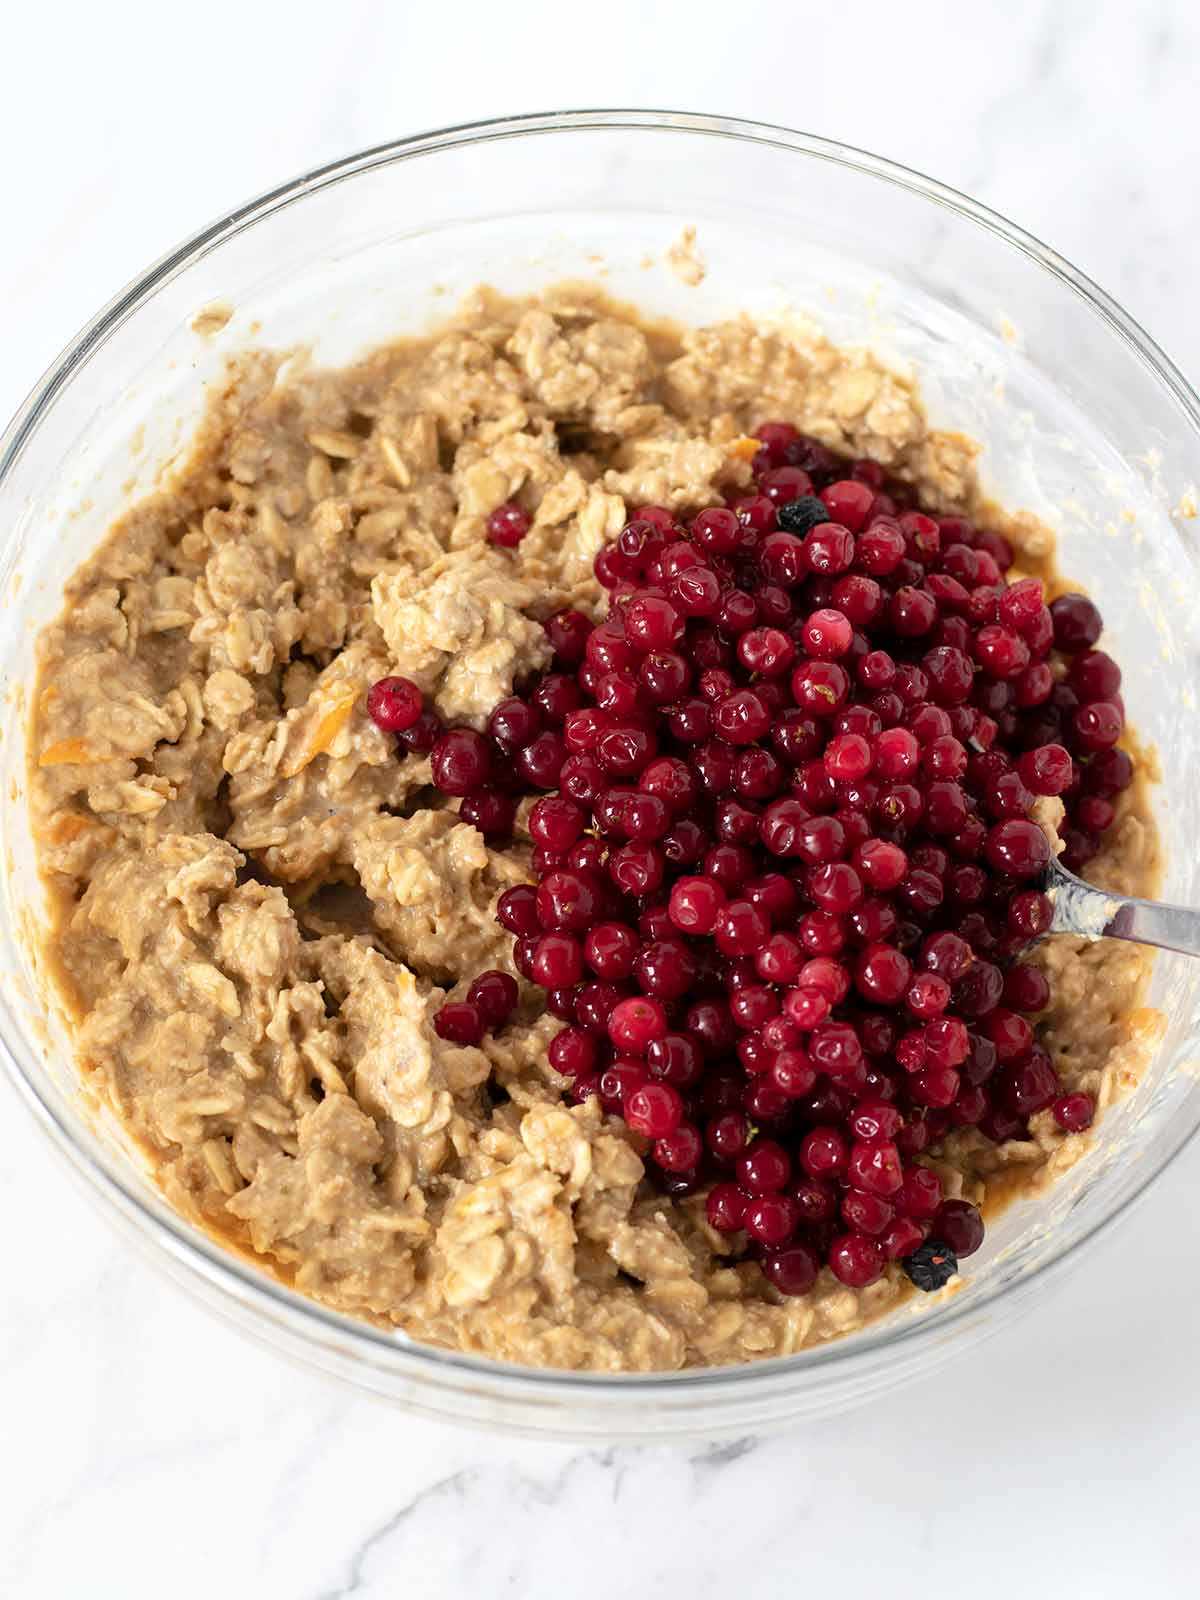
(1082, 909)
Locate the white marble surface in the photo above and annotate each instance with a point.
(149, 1451)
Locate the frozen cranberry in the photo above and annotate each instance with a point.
(557, 960)
(696, 904)
(1046, 770)
(394, 704)
(958, 1224)
(610, 949)
(568, 900)
(741, 717)
(495, 995)
(1098, 725)
(901, 1238)
(556, 696)
(625, 749)
(541, 761)
(1017, 847)
(1030, 913)
(815, 839)
(460, 1022)
(882, 974)
(764, 1167)
(793, 1074)
(654, 1109)
(516, 910)
(726, 1207)
(685, 844)
(828, 549)
(421, 736)
(665, 967)
(595, 1003)
(514, 723)
(912, 612)
(679, 1152)
(935, 1086)
(727, 1135)
(1026, 988)
(792, 1270)
(461, 761)
(1074, 1112)
(634, 1023)
(1001, 652)
(823, 1153)
(874, 1165)
(827, 634)
(696, 592)
(879, 549)
(919, 1194)
(675, 1058)
(755, 512)
(1077, 623)
(771, 1219)
(491, 811)
(507, 525)
(573, 1052)
(865, 1212)
(856, 1260)
(568, 633)
(741, 928)
(1107, 773)
(556, 822)
(716, 531)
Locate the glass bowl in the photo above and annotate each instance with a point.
(1084, 421)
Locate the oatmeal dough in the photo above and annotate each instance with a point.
(261, 907)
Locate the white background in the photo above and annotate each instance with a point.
(146, 1450)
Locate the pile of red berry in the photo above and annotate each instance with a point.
(788, 867)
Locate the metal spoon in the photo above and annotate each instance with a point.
(1082, 909)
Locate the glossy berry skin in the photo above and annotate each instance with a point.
(655, 1110)
(495, 995)
(394, 704)
(1074, 1112)
(771, 1219)
(874, 1165)
(460, 1022)
(461, 761)
(507, 525)
(856, 1260)
(791, 1270)
(764, 1167)
(960, 1225)
(726, 1207)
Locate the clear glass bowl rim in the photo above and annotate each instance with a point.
(221, 1268)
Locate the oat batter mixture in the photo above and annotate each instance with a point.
(262, 905)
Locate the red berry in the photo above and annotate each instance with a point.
(507, 525)
(495, 994)
(792, 1270)
(856, 1260)
(461, 761)
(394, 704)
(1074, 1112)
(654, 1109)
(726, 1207)
(635, 1023)
(771, 1219)
(958, 1224)
(874, 1165)
(459, 1022)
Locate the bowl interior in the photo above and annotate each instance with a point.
(1077, 425)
